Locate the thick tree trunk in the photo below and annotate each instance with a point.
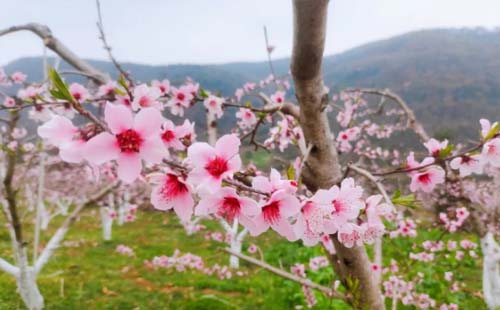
(322, 169)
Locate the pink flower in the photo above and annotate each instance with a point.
(252, 249)
(29, 93)
(163, 86)
(347, 135)
(79, 92)
(278, 97)
(145, 97)
(9, 102)
(448, 276)
(486, 127)
(60, 132)
(434, 146)
(312, 223)
(427, 178)
(214, 105)
(350, 235)
(247, 118)
(171, 135)
(212, 164)
(171, 191)
(181, 98)
(187, 132)
(275, 214)
(107, 89)
(248, 87)
(18, 77)
(227, 204)
(131, 139)
(467, 164)
(344, 203)
(239, 93)
(274, 183)
(491, 152)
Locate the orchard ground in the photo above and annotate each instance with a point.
(93, 275)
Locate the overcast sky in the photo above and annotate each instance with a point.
(215, 31)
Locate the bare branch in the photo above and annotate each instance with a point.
(60, 49)
(282, 273)
(107, 47)
(412, 121)
(8, 268)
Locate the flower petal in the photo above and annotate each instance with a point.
(118, 118)
(129, 166)
(101, 148)
(153, 150)
(148, 122)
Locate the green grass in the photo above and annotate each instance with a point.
(96, 277)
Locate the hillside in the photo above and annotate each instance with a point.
(450, 77)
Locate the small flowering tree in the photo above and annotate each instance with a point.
(335, 189)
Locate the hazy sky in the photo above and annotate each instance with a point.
(214, 31)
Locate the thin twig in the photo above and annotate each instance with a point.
(282, 273)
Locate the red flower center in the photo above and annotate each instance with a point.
(338, 206)
(230, 208)
(77, 96)
(129, 141)
(271, 212)
(181, 96)
(217, 166)
(168, 135)
(144, 101)
(424, 178)
(173, 187)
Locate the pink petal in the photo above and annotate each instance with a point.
(157, 200)
(262, 184)
(206, 206)
(129, 166)
(101, 148)
(228, 146)
(259, 226)
(72, 152)
(284, 228)
(153, 150)
(58, 130)
(183, 206)
(199, 153)
(249, 207)
(118, 118)
(148, 122)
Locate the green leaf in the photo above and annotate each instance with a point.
(446, 151)
(59, 89)
(290, 173)
(203, 93)
(407, 201)
(122, 81)
(493, 131)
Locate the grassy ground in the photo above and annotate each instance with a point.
(94, 276)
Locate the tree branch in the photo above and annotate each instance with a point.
(60, 49)
(412, 121)
(282, 273)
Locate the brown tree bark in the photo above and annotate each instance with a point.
(322, 169)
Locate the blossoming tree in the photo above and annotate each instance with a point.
(333, 193)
